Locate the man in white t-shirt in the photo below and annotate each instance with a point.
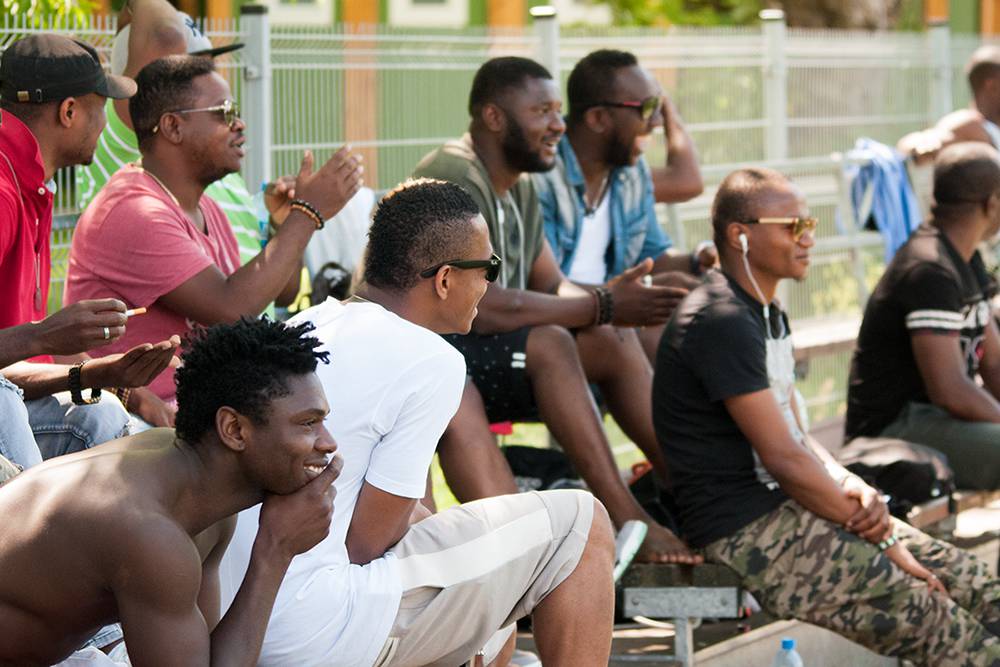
(393, 584)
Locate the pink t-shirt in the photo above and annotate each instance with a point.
(136, 244)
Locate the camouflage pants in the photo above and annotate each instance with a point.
(801, 566)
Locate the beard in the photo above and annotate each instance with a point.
(516, 152)
(619, 151)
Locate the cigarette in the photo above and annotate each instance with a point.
(134, 311)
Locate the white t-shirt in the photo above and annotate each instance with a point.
(392, 387)
(589, 266)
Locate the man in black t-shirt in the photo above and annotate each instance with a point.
(810, 540)
(927, 332)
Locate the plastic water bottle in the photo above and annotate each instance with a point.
(787, 656)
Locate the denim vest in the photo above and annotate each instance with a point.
(635, 231)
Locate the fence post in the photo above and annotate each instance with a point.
(939, 45)
(547, 34)
(775, 85)
(257, 98)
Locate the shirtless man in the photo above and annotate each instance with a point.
(979, 122)
(134, 530)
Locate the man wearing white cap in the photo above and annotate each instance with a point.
(153, 29)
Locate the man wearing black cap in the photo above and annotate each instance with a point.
(52, 92)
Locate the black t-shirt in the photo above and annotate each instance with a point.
(714, 348)
(926, 287)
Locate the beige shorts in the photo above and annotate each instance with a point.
(471, 571)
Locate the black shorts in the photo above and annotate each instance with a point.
(496, 364)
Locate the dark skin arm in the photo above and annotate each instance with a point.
(210, 297)
(554, 299)
(158, 595)
(213, 542)
(76, 328)
(961, 125)
(989, 366)
(802, 475)
(680, 179)
(939, 360)
(135, 368)
(380, 520)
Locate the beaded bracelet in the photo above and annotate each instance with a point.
(309, 210)
(76, 387)
(887, 542)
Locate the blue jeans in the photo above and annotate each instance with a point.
(17, 444)
(60, 427)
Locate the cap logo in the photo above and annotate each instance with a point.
(23, 96)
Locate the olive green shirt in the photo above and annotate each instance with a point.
(514, 219)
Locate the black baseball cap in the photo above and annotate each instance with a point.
(50, 68)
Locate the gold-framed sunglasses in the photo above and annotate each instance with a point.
(798, 226)
(229, 110)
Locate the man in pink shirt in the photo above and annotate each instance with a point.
(152, 240)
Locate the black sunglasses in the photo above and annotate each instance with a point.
(492, 266)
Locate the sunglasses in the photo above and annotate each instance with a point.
(798, 226)
(492, 266)
(646, 107)
(230, 112)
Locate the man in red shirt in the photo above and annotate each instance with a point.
(52, 93)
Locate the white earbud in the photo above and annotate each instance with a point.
(744, 243)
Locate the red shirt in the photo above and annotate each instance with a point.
(25, 225)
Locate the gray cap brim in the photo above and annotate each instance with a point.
(116, 87)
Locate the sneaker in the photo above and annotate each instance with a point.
(627, 544)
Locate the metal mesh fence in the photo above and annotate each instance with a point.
(394, 94)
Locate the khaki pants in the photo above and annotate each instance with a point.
(473, 570)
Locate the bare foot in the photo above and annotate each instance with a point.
(662, 546)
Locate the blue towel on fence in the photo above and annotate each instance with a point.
(895, 208)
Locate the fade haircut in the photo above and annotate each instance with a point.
(421, 223)
(965, 175)
(592, 81)
(498, 75)
(243, 366)
(164, 85)
(983, 65)
(30, 113)
(737, 198)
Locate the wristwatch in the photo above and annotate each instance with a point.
(76, 387)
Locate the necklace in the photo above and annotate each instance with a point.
(589, 209)
(160, 183)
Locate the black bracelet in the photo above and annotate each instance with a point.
(606, 305)
(76, 387)
(309, 210)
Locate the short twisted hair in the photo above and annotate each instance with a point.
(421, 223)
(164, 85)
(244, 366)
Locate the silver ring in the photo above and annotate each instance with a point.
(107, 333)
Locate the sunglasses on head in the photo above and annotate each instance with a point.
(646, 107)
(798, 226)
(492, 266)
(230, 112)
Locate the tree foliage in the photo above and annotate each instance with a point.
(37, 12)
